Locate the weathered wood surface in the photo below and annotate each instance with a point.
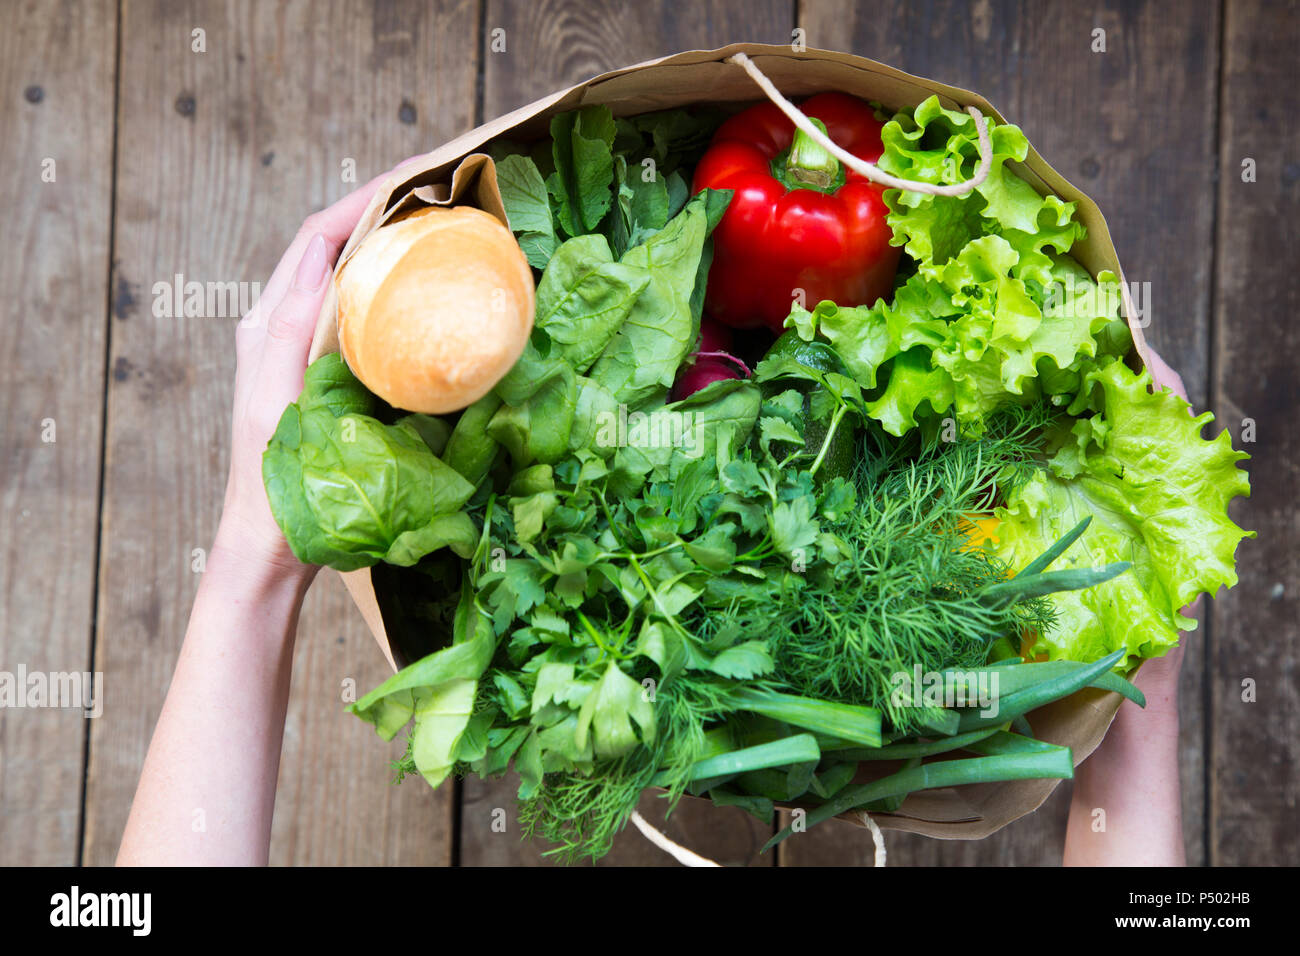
(1254, 710)
(219, 156)
(56, 111)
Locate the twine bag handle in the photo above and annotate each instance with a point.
(690, 858)
(861, 166)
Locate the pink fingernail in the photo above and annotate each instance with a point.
(314, 267)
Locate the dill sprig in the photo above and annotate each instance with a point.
(909, 591)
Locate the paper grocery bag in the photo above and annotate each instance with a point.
(457, 173)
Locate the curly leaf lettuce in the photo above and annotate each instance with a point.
(1158, 494)
(973, 337)
(941, 146)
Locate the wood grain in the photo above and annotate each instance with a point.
(56, 107)
(548, 46)
(222, 154)
(1094, 116)
(1255, 746)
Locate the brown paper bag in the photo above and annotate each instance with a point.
(457, 173)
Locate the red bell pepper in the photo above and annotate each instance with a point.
(798, 220)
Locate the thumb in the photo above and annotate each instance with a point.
(291, 325)
(1163, 375)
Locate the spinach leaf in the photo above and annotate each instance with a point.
(583, 299)
(437, 691)
(596, 406)
(642, 206)
(582, 146)
(661, 442)
(470, 449)
(348, 490)
(641, 362)
(538, 429)
(528, 207)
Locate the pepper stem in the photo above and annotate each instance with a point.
(809, 162)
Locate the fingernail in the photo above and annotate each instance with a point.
(314, 267)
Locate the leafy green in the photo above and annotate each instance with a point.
(582, 148)
(641, 361)
(348, 490)
(437, 692)
(584, 297)
(1158, 494)
(526, 200)
(742, 594)
(622, 179)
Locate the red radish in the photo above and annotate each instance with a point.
(705, 368)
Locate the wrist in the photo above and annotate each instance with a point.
(1158, 678)
(247, 552)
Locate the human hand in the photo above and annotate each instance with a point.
(271, 346)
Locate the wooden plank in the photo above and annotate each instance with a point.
(1256, 746)
(555, 43)
(1095, 117)
(222, 154)
(549, 45)
(56, 74)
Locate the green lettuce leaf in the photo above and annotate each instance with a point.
(1158, 494)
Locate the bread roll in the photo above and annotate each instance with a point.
(434, 307)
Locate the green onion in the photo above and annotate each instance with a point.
(1041, 563)
(904, 751)
(945, 773)
(796, 749)
(859, 725)
(1039, 693)
(1016, 677)
(1022, 587)
(1003, 742)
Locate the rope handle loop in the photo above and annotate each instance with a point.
(870, 170)
(690, 858)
